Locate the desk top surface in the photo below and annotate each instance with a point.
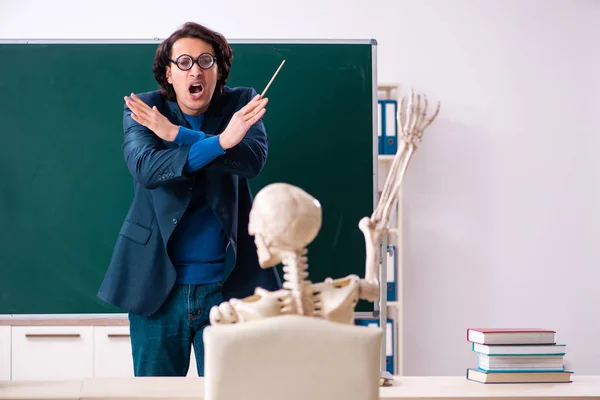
(430, 387)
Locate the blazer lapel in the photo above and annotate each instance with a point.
(176, 115)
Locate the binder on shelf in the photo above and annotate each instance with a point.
(389, 109)
(391, 273)
(380, 137)
(389, 338)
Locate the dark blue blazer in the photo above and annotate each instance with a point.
(141, 275)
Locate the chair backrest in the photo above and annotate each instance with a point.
(293, 358)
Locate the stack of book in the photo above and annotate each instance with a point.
(517, 356)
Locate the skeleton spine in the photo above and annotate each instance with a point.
(295, 268)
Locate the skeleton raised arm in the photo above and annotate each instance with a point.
(412, 121)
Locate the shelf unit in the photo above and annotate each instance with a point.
(393, 91)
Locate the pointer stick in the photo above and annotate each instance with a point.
(271, 81)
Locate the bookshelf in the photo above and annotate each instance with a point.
(393, 91)
(392, 312)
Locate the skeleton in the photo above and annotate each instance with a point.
(285, 219)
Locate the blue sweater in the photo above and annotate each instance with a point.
(197, 246)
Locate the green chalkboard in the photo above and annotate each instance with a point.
(65, 188)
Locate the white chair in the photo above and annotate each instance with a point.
(293, 358)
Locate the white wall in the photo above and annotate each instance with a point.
(502, 209)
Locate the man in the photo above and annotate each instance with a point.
(184, 245)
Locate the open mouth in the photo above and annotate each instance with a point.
(196, 90)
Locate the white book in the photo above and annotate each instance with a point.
(520, 363)
(521, 349)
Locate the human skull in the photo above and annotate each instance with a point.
(283, 219)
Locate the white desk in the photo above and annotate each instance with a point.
(405, 388)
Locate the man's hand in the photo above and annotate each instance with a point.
(151, 118)
(242, 121)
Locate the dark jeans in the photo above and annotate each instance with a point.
(161, 344)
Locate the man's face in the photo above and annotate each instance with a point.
(194, 88)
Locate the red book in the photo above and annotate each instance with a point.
(509, 336)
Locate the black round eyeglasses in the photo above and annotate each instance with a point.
(185, 62)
